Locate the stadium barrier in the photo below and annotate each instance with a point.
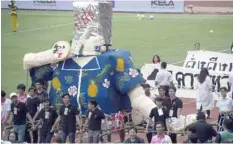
(150, 6)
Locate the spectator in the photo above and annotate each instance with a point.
(47, 116)
(133, 138)
(166, 99)
(149, 130)
(94, 117)
(13, 137)
(205, 98)
(159, 113)
(197, 46)
(20, 113)
(231, 84)
(227, 135)
(175, 111)
(119, 119)
(164, 78)
(5, 113)
(161, 137)
(155, 59)
(148, 91)
(105, 130)
(225, 106)
(33, 103)
(41, 95)
(126, 118)
(56, 139)
(68, 115)
(232, 47)
(191, 133)
(177, 103)
(5, 109)
(22, 95)
(204, 131)
(40, 92)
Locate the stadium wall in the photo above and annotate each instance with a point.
(150, 6)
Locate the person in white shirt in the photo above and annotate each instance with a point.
(205, 97)
(164, 78)
(5, 113)
(231, 84)
(225, 107)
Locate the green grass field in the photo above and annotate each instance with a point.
(169, 36)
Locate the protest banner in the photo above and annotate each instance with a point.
(185, 79)
(216, 62)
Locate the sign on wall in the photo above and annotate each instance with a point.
(160, 6)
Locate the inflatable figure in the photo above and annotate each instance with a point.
(87, 69)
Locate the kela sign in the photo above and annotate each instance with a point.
(162, 3)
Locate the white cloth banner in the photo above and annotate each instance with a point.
(185, 79)
(216, 62)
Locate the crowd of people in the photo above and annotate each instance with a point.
(35, 120)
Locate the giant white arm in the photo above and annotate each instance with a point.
(140, 101)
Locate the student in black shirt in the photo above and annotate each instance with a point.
(47, 116)
(93, 118)
(177, 103)
(40, 92)
(166, 99)
(33, 103)
(204, 131)
(68, 115)
(20, 114)
(159, 113)
(176, 108)
(191, 133)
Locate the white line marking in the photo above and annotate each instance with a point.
(40, 28)
(127, 15)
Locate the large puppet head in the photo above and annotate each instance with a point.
(92, 25)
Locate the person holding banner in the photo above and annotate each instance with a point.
(231, 84)
(225, 107)
(156, 59)
(232, 48)
(205, 97)
(197, 46)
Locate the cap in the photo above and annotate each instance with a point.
(13, 94)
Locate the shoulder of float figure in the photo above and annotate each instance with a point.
(59, 52)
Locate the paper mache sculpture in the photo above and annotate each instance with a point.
(87, 69)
